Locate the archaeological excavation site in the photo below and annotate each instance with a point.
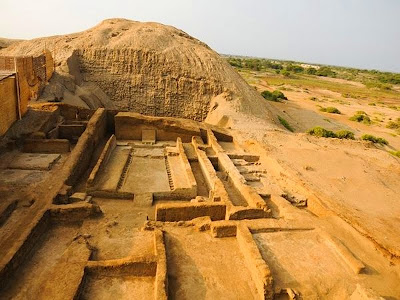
(136, 163)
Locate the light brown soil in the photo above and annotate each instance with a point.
(293, 214)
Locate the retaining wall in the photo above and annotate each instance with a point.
(8, 103)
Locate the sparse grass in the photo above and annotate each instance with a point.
(361, 116)
(275, 96)
(330, 109)
(372, 104)
(346, 90)
(285, 124)
(394, 124)
(374, 139)
(285, 89)
(314, 99)
(340, 101)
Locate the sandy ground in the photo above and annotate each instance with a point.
(352, 188)
(302, 113)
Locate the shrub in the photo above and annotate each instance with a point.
(311, 71)
(331, 110)
(294, 68)
(321, 132)
(285, 73)
(314, 99)
(235, 62)
(285, 124)
(345, 134)
(374, 139)
(325, 72)
(275, 96)
(361, 116)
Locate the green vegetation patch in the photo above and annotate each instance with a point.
(345, 134)
(322, 132)
(330, 109)
(374, 139)
(285, 124)
(275, 96)
(361, 117)
(395, 153)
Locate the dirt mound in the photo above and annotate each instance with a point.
(4, 43)
(145, 67)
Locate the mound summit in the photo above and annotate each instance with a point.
(148, 68)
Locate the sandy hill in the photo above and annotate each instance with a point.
(144, 67)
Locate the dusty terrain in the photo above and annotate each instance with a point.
(98, 204)
(144, 67)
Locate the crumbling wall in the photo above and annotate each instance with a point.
(7, 63)
(27, 82)
(8, 103)
(32, 75)
(148, 83)
(49, 64)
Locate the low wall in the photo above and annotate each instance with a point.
(220, 229)
(23, 248)
(173, 212)
(206, 167)
(161, 282)
(102, 161)
(123, 267)
(73, 212)
(81, 155)
(237, 179)
(129, 126)
(260, 272)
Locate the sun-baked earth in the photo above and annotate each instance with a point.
(157, 172)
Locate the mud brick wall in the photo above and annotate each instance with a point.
(147, 82)
(8, 103)
(39, 67)
(7, 63)
(32, 72)
(49, 62)
(28, 84)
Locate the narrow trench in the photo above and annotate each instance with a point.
(233, 194)
(202, 189)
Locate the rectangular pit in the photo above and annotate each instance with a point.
(118, 287)
(37, 269)
(202, 267)
(302, 260)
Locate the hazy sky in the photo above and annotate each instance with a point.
(359, 33)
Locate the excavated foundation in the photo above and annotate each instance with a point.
(128, 206)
